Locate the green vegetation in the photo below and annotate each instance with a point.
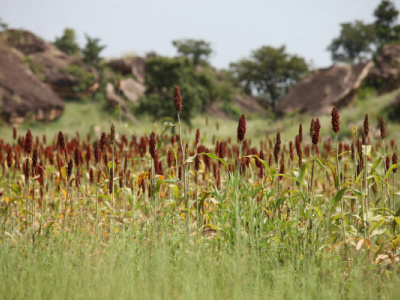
(67, 42)
(91, 52)
(270, 73)
(200, 87)
(359, 42)
(251, 234)
(84, 80)
(197, 50)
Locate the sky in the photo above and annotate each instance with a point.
(233, 27)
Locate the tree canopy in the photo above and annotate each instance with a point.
(197, 50)
(386, 29)
(358, 42)
(198, 87)
(67, 42)
(92, 50)
(270, 72)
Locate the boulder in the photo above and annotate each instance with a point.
(68, 76)
(22, 95)
(325, 88)
(132, 65)
(387, 67)
(132, 89)
(114, 100)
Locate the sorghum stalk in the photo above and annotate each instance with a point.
(178, 109)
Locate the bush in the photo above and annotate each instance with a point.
(84, 80)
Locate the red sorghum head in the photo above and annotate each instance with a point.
(177, 99)
(241, 130)
(383, 128)
(335, 120)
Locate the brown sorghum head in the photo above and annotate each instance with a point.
(77, 157)
(363, 138)
(69, 168)
(9, 156)
(15, 133)
(312, 128)
(277, 147)
(387, 163)
(152, 145)
(197, 163)
(97, 153)
(394, 161)
(366, 125)
(61, 141)
(197, 136)
(28, 142)
(335, 120)
(103, 141)
(317, 128)
(301, 133)
(91, 176)
(177, 99)
(112, 134)
(34, 158)
(241, 130)
(299, 151)
(383, 128)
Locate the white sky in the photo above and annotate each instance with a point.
(234, 27)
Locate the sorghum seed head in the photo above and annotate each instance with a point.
(103, 141)
(387, 163)
(28, 142)
(34, 158)
(366, 125)
(340, 150)
(177, 99)
(301, 133)
(9, 156)
(91, 176)
(335, 120)
(197, 136)
(97, 153)
(394, 161)
(312, 128)
(61, 141)
(317, 128)
(152, 145)
(383, 128)
(241, 130)
(112, 134)
(69, 168)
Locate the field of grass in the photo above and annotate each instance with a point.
(135, 216)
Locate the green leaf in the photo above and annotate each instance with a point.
(340, 194)
(390, 169)
(16, 189)
(319, 162)
(191, 159)
(107, 197)
(111, 165)
(212, 155)
(375, 165)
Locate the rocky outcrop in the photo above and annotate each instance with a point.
(114, 101)
(132, 89)
(68, 76)
(135, 66)
(325, 88)
(387, 68)
(22, 95)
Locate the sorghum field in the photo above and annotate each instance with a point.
(159, 216)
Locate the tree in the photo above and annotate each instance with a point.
(386, 30)
(197, 50)
(198, 88)
(67, 43)
(270, 72)
(354, 44)
(91, 52)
